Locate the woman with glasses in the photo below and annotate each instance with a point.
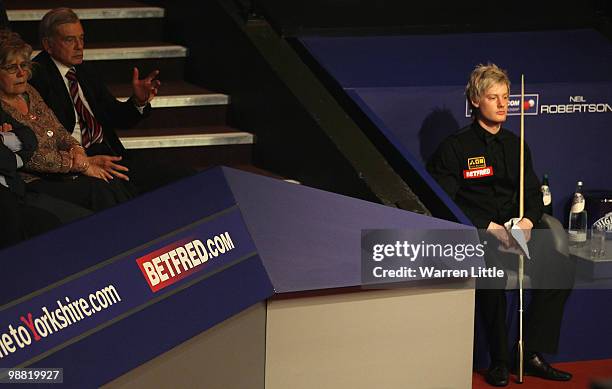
(59, 167)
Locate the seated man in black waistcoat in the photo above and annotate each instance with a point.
(479, 168)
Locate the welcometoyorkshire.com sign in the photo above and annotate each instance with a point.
(49, 320)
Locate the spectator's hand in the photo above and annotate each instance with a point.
(108, 165)
(501, 234)
(146, 89)
(97, 172)
(526, 225)
(6, 127)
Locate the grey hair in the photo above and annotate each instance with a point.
(53, 19)
(11, 46)
(481, 79)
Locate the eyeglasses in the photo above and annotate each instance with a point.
(25, 66)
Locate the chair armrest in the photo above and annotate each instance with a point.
(559, 236)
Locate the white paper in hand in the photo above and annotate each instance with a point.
(518, 235)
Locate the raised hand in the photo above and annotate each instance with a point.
(146, 89)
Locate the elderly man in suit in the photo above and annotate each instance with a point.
(84, 105)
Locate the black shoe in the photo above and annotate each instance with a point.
(535, 365)
(497, 375)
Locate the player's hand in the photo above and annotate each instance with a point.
(501, 234)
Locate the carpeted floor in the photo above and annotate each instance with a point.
(584, 372)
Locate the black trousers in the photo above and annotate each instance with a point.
(145, 174)
(26, 216)
(87, 192)
(551, 276)
(542, 321)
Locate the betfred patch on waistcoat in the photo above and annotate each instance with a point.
(477, 168)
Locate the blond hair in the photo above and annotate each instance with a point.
(481, 79)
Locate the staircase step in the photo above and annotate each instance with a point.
(185, 117)
(116, 63)
(184, 137)
(196, 100)
(171, 69)
(180, 104)
(131, 50)
(23, 11)
(144, 51)
(103, 20)
(200, 157)
(175, 94)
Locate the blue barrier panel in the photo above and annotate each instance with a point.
(310, 239)
(75, 247)
(155, 272)
(120, 347)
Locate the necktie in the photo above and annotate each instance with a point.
(90, 128)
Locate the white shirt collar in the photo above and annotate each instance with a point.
(63, 69)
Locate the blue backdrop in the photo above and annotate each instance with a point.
(412, 88)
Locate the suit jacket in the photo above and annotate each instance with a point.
(8, 163)
(107, 110)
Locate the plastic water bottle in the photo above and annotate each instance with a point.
(546, 195)
(577, 231)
